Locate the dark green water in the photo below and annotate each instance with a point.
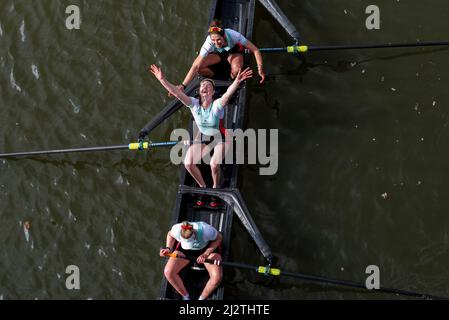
(354, 125)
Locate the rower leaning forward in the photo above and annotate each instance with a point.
(223, 45)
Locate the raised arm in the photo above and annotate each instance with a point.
(259, 59)
(171, 88)
(241, 76)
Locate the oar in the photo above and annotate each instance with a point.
(305, 48)
(131, 146)
(266, 270)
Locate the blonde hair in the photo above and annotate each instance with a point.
(186, 230)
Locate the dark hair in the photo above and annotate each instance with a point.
(209, 80)
(216, 27)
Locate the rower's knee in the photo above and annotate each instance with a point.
(206, 72)
(189, 166)
(169, 274)
(235, 69)
(215, 279)
(214, 166)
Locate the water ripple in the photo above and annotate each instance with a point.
(35, 71)
(22, 31)
(13, 82)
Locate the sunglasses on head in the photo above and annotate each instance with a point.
(215, 29)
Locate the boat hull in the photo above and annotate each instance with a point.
(237, 15)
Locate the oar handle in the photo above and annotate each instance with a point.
(176, 256)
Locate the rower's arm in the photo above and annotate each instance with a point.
(175, 91)
(256, 52)
(171, 88)
(193, 70)
(229, 93)
(170, 242)
(258, 57)
(242, 76)
(249, 45)
(214, 245)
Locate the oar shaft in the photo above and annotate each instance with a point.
(44, 152)
(131, 146)
(232, 264)
(355, 285)
(305, 48)
(163, 144)
(310, 277)
(273, 49)
(378, 46)
(324, 280)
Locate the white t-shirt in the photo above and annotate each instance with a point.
(207, 120)
(203, 233)
(232, 38)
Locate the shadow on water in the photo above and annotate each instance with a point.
(343, 65)
(307, 288)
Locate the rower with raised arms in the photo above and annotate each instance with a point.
(207, 114)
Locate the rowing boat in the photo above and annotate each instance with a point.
(237, 15)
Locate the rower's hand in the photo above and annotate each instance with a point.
(202, 258)
(243, 75)
(163, 252)
(157, 72)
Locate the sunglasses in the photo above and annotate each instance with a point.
(215, 29)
